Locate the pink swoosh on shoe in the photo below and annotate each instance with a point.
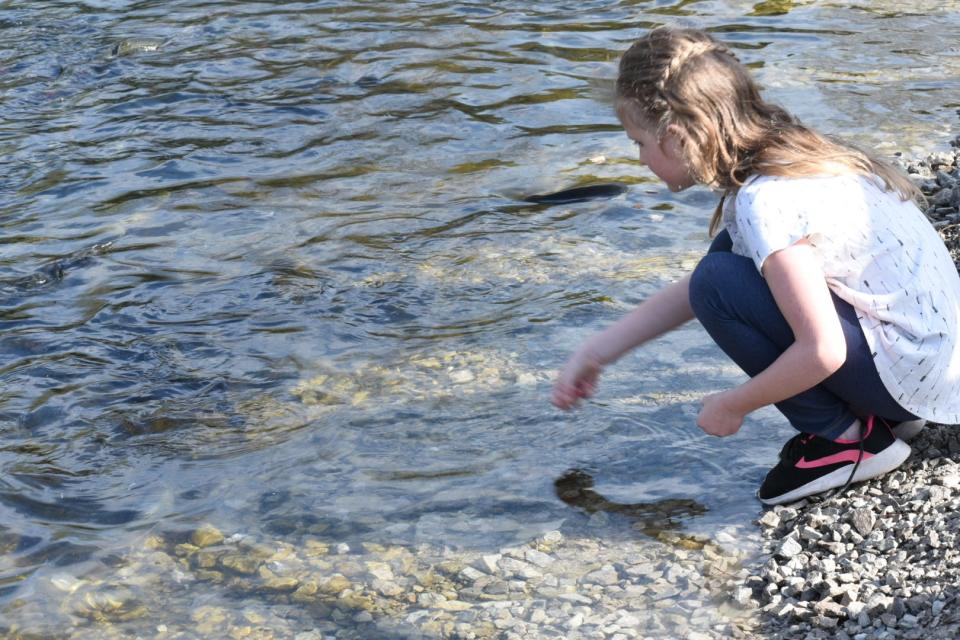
(843, 456)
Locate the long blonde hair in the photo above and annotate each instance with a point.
(684, 77)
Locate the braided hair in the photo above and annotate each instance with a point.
(686, 78)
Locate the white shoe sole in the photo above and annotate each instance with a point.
(884, 462)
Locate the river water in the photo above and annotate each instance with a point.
(266, 267)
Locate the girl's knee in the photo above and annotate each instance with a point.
(720, 279)
(707, 280)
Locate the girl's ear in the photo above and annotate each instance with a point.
(673, 141)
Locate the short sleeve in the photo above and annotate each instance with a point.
(773, 214)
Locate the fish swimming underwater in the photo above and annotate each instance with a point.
(579, 194)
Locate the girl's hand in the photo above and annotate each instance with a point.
(577, 381)
(717, 417)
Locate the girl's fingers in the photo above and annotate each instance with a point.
(565, 397)
(560, 399)
(585, 389)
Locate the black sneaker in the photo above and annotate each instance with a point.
(809, 464)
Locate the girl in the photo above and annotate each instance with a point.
(826, 284)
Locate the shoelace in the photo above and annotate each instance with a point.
(864, 429)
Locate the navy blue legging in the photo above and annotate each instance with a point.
(734, 304)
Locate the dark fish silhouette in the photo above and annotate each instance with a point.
(579, 194)
(54, 272)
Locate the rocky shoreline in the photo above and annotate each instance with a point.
(879, 561)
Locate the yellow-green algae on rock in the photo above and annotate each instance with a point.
(551, 259)
(416, 377)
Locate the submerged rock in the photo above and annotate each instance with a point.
(206, 536)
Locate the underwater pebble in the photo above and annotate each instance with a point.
(462, 376)
(207, 535)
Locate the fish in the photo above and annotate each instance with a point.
(579, 194)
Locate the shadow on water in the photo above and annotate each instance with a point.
(575, 488)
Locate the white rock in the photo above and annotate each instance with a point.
(472, 574)
(743, 596)
(863, 521)
(770, 519)
(380, 570)
(462, 376)
(538, 558)
(66, 582)
(604, 576)
(552, 537)
(950, 480)
(789, 548)
(628, 620)
(519, 568)
(489, 563)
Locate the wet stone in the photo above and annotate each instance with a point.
(281, 584)
(239, 563)
(606, 575)
(206, 536)
(335, 585)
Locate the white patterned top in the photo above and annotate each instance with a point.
(882, 256)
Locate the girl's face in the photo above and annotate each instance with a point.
(663, 156)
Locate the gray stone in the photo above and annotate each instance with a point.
(944, 179)
(863, 521)
(538, 558)
(898, 608)
(828, 607)
(519, 568)
(826, 622)
(606, 576)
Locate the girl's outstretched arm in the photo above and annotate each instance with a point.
(798, 285)
(665, 310)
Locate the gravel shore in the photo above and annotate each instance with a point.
(879, 561)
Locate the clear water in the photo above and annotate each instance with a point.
(269, 268)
